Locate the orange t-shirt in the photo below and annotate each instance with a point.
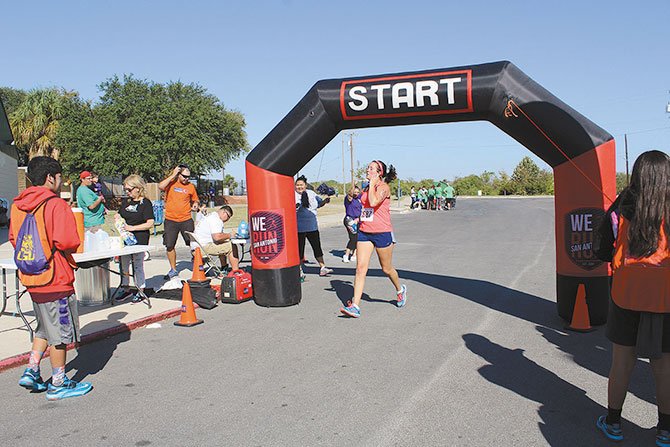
(178, 200)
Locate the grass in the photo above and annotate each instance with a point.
(240, 212)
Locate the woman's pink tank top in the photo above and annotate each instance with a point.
(377, 219)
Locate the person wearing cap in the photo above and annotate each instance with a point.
(180, 199)
(90, 202)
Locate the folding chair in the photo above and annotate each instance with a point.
(207, 259)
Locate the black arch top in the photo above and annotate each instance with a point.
(467, 93)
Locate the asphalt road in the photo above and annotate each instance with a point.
(478, 357)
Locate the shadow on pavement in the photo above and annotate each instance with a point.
(568, 415)
(92, 358)
(588, 350)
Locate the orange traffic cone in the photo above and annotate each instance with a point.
(198, 269)
(580, 314)
(187, 317)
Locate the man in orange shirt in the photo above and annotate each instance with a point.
(180, 199)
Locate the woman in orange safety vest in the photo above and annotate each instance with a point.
(634, 238)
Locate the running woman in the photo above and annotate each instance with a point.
(375, 233)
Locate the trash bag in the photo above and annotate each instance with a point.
(325, 190)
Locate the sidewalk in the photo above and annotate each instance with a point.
(97, 322)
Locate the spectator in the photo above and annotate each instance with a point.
(412, 194)
(90, 202)
(307, 202)
(180, 199)
(450, 195)
(138, 213)
(52, 291)
(352, 207)
(634, 237)
(215, 241)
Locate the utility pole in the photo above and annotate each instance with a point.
(344, 180)
(625, 140)
(351, 152)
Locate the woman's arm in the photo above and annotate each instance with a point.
(377, 193)
(149, 224)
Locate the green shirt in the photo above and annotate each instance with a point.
(431, 192)
(438, 191)
(85, 198)
(449, 192)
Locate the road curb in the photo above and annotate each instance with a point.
(20, 359)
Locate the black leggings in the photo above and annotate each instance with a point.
(353, 238)
(314, 241)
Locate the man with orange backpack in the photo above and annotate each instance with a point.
(44, 234)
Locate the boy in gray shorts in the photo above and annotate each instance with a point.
(51, 288)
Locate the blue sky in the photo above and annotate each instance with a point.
(609, 60)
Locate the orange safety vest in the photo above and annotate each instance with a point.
(641, 284)
(18, 216)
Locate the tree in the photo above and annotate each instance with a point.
(36, 120)
(147, 128)
(528, 179)
(11, 98)
(229, 182)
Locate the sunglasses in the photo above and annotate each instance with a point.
(129, 189)
(184, 176)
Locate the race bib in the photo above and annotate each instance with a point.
(367, 214)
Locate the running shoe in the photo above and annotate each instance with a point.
(123, 296)
(171, 274)
(69, 388)
(612, 431)
(353, 258)
(351, 310)
(32, 380)
(402, 296)
(345, 258)
(662, 438)
(325, 271)
(137, 298)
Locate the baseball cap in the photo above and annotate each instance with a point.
(84, 174)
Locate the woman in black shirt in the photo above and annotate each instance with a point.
(139, 216)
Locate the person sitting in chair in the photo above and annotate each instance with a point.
(210, 234)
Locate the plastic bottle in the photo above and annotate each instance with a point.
(127, 237)
(243, 230)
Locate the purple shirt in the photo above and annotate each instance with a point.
(353, 208)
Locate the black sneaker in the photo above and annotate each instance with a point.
(123, 296)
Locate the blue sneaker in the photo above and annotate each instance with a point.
(69, 388)
(402, 296)
(662, 438)
(612, 431)
(171, 274)
(351, 310)
(32, 380)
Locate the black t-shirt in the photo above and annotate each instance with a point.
(137, 212)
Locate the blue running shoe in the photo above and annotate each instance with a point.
(612, 431)
(69, 388)
(662, 438)
(402, 296)
(351, 310)
(32, 380)
(171, 274)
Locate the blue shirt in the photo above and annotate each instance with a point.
(307, 215)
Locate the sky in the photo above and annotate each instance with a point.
(609, 60)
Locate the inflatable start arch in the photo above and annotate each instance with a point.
(581, 154)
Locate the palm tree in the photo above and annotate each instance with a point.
(35, 121)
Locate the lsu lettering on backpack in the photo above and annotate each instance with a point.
(33, 252)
